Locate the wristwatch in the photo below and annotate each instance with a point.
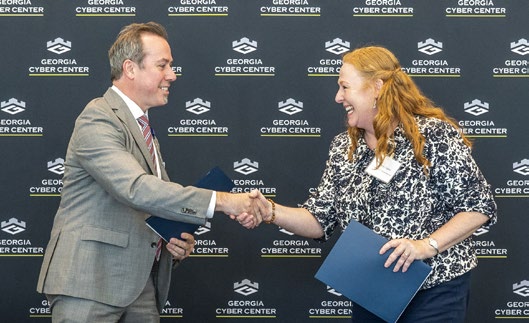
(433, 243)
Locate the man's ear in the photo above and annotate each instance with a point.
(129, 68)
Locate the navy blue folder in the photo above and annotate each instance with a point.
(215, 180)
(355, 269)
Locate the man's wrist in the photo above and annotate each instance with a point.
(220, 198)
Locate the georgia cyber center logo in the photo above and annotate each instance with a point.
(208, 247)
(516, 186)
(487, 248)
(474, 9)
(14, 245)
(59, 65)
(433, 64)
(198, 126)
(377, 8)
(289, 8)
(340, 308)
(105, 8)
(199, 8)
(330, 66)
(244, 66)
(14, 125)
(516, 65)
(245, 308)
(292, 247)
(50, 186)
(478, 126)
(290, 126)
(515, 308)
(20, 8)
(245, 185)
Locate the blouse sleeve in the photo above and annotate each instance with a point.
(321, 203)
(455, 176)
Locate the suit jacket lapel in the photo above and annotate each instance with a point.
(124, 114)
(164, 175)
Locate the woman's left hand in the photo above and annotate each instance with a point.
(405, 251)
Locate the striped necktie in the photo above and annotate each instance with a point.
(147, 135)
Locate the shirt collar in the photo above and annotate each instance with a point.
(133, 107)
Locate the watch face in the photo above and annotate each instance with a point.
(433, 243)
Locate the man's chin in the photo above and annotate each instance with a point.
(163, 101)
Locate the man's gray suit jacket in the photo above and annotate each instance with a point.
(100, 247)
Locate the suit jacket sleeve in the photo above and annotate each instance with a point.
(106, 146)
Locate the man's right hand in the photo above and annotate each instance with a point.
(240, 207)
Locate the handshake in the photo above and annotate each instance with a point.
(249, 209)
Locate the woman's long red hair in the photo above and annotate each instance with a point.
(399, 100)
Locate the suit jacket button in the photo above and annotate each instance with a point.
(153, 245)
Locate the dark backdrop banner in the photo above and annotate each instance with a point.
(255, 96)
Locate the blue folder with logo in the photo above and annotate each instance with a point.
(215, 180)
(356, 269)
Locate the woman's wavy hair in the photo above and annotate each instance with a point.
(399, 100)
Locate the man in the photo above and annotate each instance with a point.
(103, 263)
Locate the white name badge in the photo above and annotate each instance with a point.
(386, 171)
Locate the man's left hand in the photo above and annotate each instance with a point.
(181, 248)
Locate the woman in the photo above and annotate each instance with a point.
(404, 169)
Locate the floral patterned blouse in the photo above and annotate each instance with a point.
(412, 205)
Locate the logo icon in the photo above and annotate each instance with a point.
(198, 106)
(476, 107)
(13, 106)
(56, 166)
(430, 47)
(337, 46)
(203, 229)
(290, 106)
(59, 46)
(521, 167)
(246, 166)
(244, 46)
(13, 226)
(521, 288)
(246, 287)
(481, 231)
(333, 291)
(520, 47)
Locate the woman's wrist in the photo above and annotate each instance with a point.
(431, 245)
(272, 218)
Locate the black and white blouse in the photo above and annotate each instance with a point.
(412, 205)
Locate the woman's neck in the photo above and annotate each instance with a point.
(371, 139)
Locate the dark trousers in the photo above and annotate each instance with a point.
(443, 303)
